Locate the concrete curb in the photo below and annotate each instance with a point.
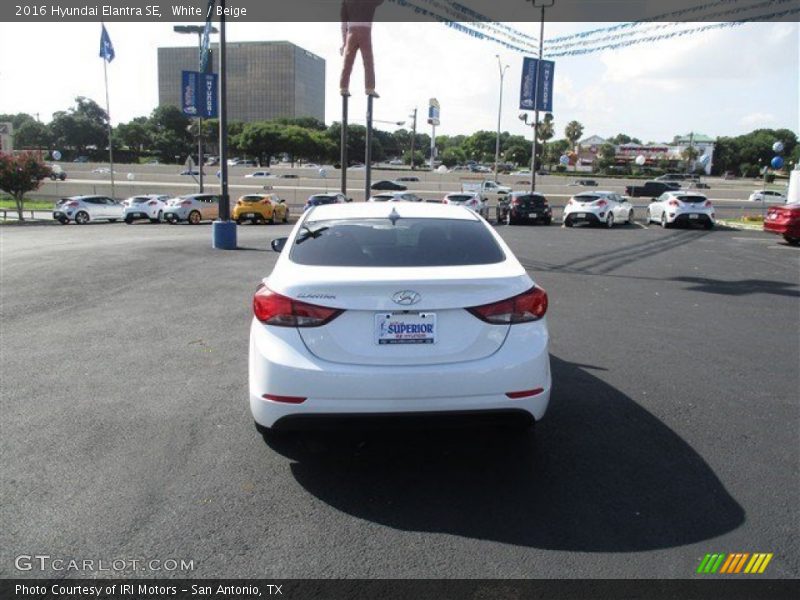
(740, 226)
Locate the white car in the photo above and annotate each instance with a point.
(391, 308)
(144, 207)
(84, 209)
(768, 196)
(259, 174)
(522, 173)
(192, 208)
(681, 208)
(395, 197)
(597, 208)
(472, 200)
(492, 187)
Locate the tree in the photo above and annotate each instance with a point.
(262, 139)
(16, 120)
(452, 156)
(606, 155)
(169, 129)
(545, 132)
(480, 146)
(32, 134)
(136, 136)
(689, 155)
(573, 132)
(20, 174)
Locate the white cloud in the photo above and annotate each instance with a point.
(758, 120)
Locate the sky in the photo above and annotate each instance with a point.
(720, 82)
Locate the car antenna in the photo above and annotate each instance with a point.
(393, 216)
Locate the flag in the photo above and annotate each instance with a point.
(106, 47)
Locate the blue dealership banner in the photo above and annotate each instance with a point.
(199, 94)
(542, 78)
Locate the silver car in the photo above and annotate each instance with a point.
(145, 207)
(84, 209)
(192, 208)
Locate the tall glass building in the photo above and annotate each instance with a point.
(266, 80)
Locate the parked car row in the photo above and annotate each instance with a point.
(157, 208)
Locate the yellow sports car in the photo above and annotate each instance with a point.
(261, 208)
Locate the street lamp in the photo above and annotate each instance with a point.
(542, 4)
(499, 112)
(198, 29)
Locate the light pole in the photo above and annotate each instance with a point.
(413, 134)
(499, 113)
(198, 29)
(542, 4)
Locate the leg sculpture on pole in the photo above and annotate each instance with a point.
(368, 150)
(343, 141)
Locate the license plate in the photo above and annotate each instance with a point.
(581, 215)
(694, 216)
(532, 215)
(405, 328)
(249, 216)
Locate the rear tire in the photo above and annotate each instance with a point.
(664, 224)
(568, 222)
(610, 221)
(548, 220)
(708, 225)
(159, 217)
(82, 218)
(286, 216)
(129, 220)
(630, 217)
(63, 220)
(509, 220)
(194, 218)
(273, 220)
(792, 241)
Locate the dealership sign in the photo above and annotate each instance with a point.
(199, 94)
(536, 88)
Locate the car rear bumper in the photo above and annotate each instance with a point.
(783, 227)
(134, 215)
(533, 216)
(587, 217)
(280, 364)
(689, 218)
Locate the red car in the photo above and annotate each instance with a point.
(784, 220)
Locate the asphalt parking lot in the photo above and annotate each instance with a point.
(672, 430)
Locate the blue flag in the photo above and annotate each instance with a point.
(106, 47)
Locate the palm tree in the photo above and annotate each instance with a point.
(545, 131)
(573, 132)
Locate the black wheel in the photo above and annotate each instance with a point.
(568, 223)
(708, 225)
(159, 217)
(63, 220)
(547, 221)
(610, 220)
(194, 218)
(129, 220)
(647, 220)
(792, 241)
(273, 220)
(286, 216)
(113, 220)
(82, 218)
(664, 223)
(630, 217)
(261, 429)
(239, 221)
(509, 220)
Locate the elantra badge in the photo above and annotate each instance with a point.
(406, 297)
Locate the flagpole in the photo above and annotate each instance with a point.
(108, 113)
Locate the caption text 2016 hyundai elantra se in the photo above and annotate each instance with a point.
(396, 308)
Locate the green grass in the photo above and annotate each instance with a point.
(8, 203)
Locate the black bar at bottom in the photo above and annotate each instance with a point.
(739, 587)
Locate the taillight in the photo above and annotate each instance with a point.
(186, 203)
(602, 203)
(273, 309)
(515, 202)
(265, 201)
(708, 203)
(152, 203)
(569, 201)
(73, 204)
(674, 203)
(527, 306)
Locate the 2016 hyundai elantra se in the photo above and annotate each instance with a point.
(393, 308)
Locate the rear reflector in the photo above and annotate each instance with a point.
(527, 306)
(273, 309)
(525, 393)
(284, 399)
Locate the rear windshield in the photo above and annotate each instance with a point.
(406, 243)
(693, 199)
(586, 198)
(459, 198)
(140, 200)
(321, 200)
(251, 198)
(528, 200)
(382, 198)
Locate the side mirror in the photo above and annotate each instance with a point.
(281, 200)
(349, 199)
(278, 244)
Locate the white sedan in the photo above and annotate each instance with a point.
(768, 196)
(681, 208)
(392, 308)
(472, 200)
(259, 174)
(144, 207)
(597, 208)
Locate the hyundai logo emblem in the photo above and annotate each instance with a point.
(406, 297)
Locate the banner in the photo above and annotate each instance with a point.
(532, 75)
(433, 112)
(199, 94)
